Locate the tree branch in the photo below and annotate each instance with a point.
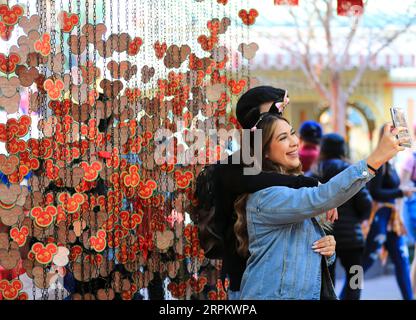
(305, 66)
(332, 65)
(297, 27)
(389, 40)
(313, 77)
(349, 39)
(305, 57)
(371, 55)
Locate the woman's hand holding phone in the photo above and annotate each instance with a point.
(388, 146)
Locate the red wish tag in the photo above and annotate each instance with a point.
(350, 7)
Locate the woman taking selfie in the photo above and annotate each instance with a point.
(276, 226)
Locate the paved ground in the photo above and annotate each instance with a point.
(379, 282)
(380, 288)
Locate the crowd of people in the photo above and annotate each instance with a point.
(285, 227)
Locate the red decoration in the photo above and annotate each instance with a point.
(8, 63)
(11, 15)
(13, 273)
(5, 31)
(68, 21)
(10, 289)
(286, 2)
(348, 7)
(134, 46)
(248, 17)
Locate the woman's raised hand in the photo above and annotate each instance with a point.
(387, 147)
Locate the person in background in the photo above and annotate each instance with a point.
(386, 227)
(347, 229)
(310, 137)
(408, 180)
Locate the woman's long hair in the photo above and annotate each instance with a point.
(268, 125)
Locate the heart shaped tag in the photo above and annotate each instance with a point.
(248, 50)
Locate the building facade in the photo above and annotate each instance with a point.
(368, 107)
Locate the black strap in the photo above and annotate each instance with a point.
(370, 167)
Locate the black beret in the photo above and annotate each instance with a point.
(248, 111)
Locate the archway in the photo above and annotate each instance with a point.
(360, 126)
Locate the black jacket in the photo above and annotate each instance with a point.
(231, 182)
(384, 187)
(347, 229)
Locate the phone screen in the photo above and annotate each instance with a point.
(398, 117)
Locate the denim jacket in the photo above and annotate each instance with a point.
(281, 231)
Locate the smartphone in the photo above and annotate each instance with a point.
(399, 120)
